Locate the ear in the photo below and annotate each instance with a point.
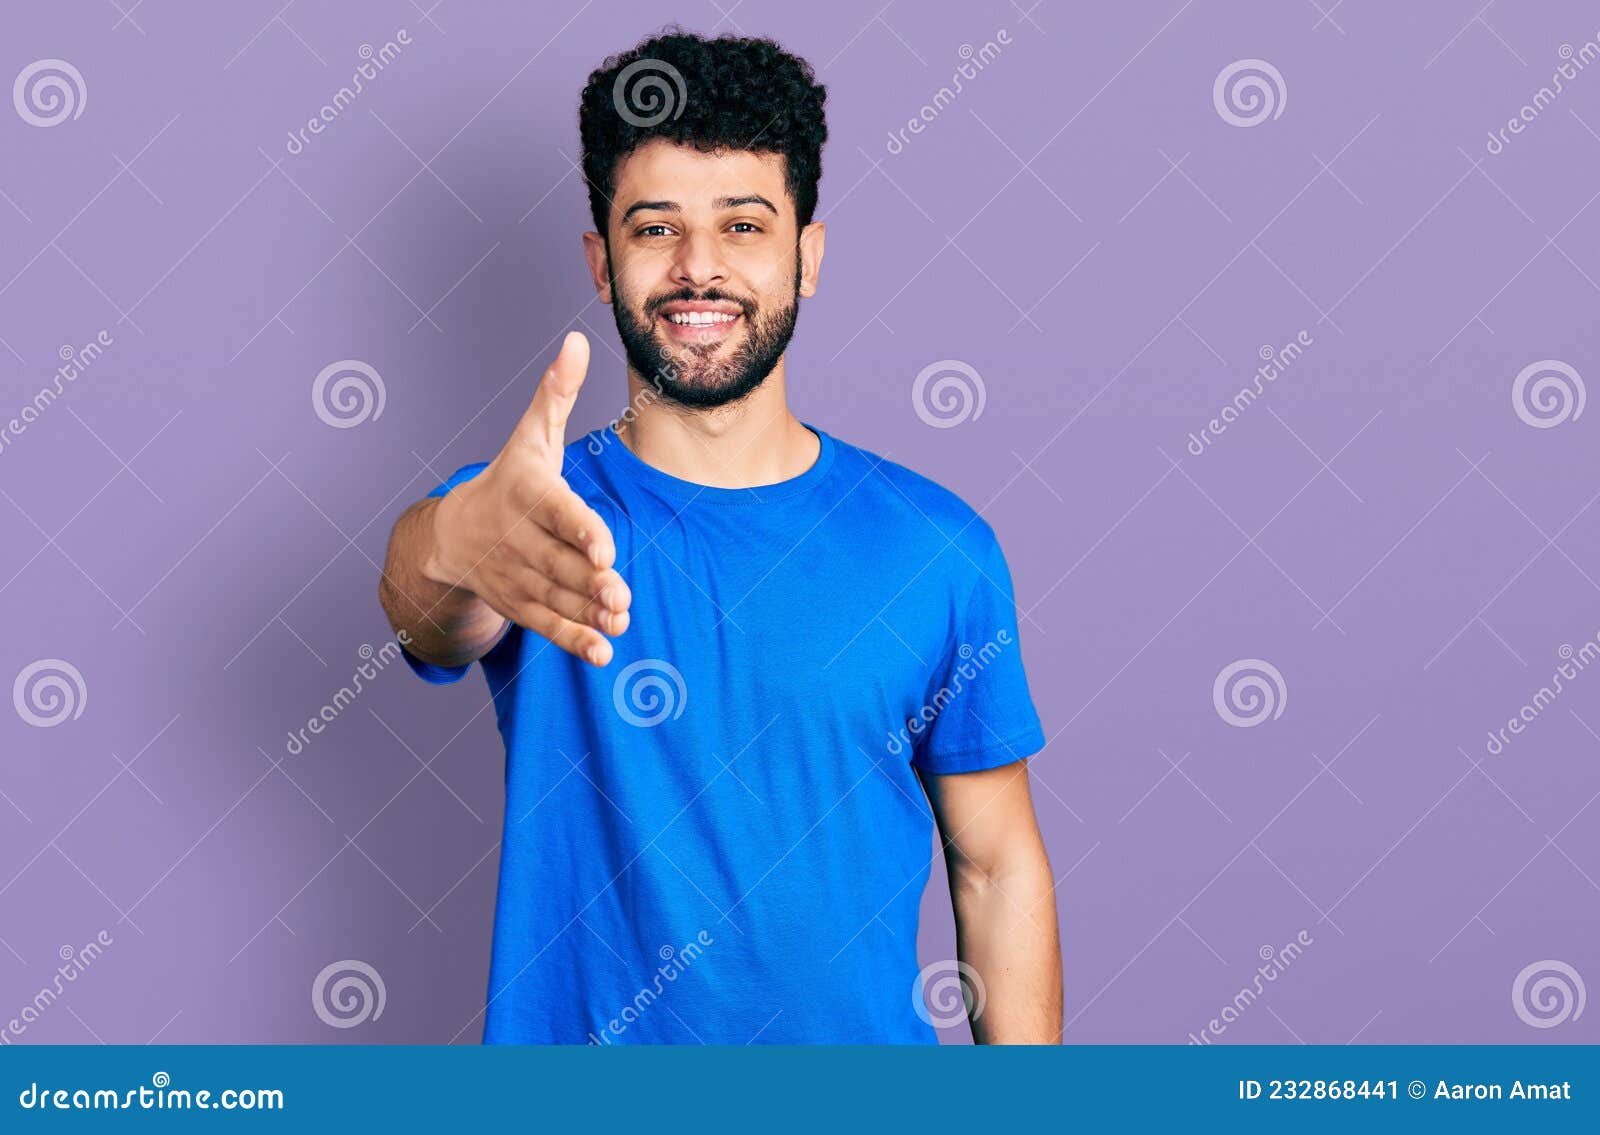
(594, 251)
(811, 241)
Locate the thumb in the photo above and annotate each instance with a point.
(544, 425)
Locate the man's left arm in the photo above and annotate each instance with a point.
(1004, 898)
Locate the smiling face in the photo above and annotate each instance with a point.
(704, 268)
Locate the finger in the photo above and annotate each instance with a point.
(557, 562)
(544, 424)
(577, 606)
(575, 638)
(566, 515)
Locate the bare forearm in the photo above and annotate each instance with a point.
(1006, 931)
(443, 624)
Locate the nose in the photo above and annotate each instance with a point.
(697, 261)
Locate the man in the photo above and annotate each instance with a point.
(741, 667)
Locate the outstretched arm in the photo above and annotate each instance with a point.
(513, 545)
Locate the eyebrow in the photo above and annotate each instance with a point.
(720, 202)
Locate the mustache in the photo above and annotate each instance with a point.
(689, 295)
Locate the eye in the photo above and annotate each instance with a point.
(746, 226)
(654, 230)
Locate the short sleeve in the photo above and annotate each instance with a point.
(429, 671)
(980, 714)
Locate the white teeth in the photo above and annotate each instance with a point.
(700, 318)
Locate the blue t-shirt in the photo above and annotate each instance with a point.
(721, 836)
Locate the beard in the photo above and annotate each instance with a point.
(693, 375)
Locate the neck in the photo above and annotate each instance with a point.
(756, 441)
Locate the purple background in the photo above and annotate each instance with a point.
(1080, 226)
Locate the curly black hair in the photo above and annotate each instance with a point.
(727, 93)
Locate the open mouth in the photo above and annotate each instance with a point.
(700, 322)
